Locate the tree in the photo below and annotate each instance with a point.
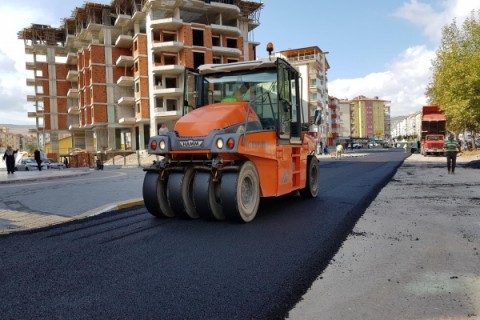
(455, 85)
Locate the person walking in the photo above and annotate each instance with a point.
(339, 151)
(9, 158)
(38, 158)
(451, 148)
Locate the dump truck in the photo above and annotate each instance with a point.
(241, 137)
(433, 131)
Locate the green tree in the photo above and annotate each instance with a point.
(455, 85)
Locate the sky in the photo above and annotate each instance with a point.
(378, 48)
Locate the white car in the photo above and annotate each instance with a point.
(28, 164)
(51, 164)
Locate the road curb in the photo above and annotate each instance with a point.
(38, 222)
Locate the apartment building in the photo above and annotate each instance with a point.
(8, 138)
(344, 118)
(370, 117)
(312, 64)
(111, 74)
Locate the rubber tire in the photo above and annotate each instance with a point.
(174, 194)
(187, 194)
(179, 194)
(313, 179)
(205, 197)
(155, 197)
(240, 193)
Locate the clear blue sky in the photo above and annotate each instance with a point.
(378, 48)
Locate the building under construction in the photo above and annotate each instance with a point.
(110, 75)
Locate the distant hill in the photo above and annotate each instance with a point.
(18, 128)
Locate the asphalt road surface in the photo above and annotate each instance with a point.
(130, 265)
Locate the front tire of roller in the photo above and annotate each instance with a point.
(155, 196)
(240, 193)
(205, 197)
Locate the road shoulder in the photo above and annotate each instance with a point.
(414, 254)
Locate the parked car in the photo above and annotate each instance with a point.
(357, 146)
(28, 164)
(52, 164)
(477, 143)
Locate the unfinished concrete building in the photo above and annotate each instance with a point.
(111, 74)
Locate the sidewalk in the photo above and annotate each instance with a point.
(23, 176)
(18, 220)
(414, 253)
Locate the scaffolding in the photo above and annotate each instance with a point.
(40, 34)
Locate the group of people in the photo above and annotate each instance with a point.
(9, 158)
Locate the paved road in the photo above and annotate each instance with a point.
(127, 264)
(414, 254)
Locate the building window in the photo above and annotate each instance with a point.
(135, 45)
(232, 60)
(158, 81)
(168, 36)
(156, 36)
(231, 42)
(216, 41)
(169, 59)
(135, 67)
(170, 82)
(159, 102)
(138, 107)
(198, 59)
(197, 37)
(171, 105)
(137, 87)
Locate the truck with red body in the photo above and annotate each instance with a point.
(433, 130)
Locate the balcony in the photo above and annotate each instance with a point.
(73, 110)
(168, 46)
(122, 20)
(72, 58)
(168, 92)
(30, 66)
(225, 30)
(171, 69)
(160, 112)
(72, 93)
(171, 24)
(72, 75)
(124, 41)
(127, 120)
(71, 38)
(125, 81)
(126, 101)
(33, 82)
(124, 61)
(139, 15)
(74, 126)
(232, 52)
(34, 98)
(31, 114)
